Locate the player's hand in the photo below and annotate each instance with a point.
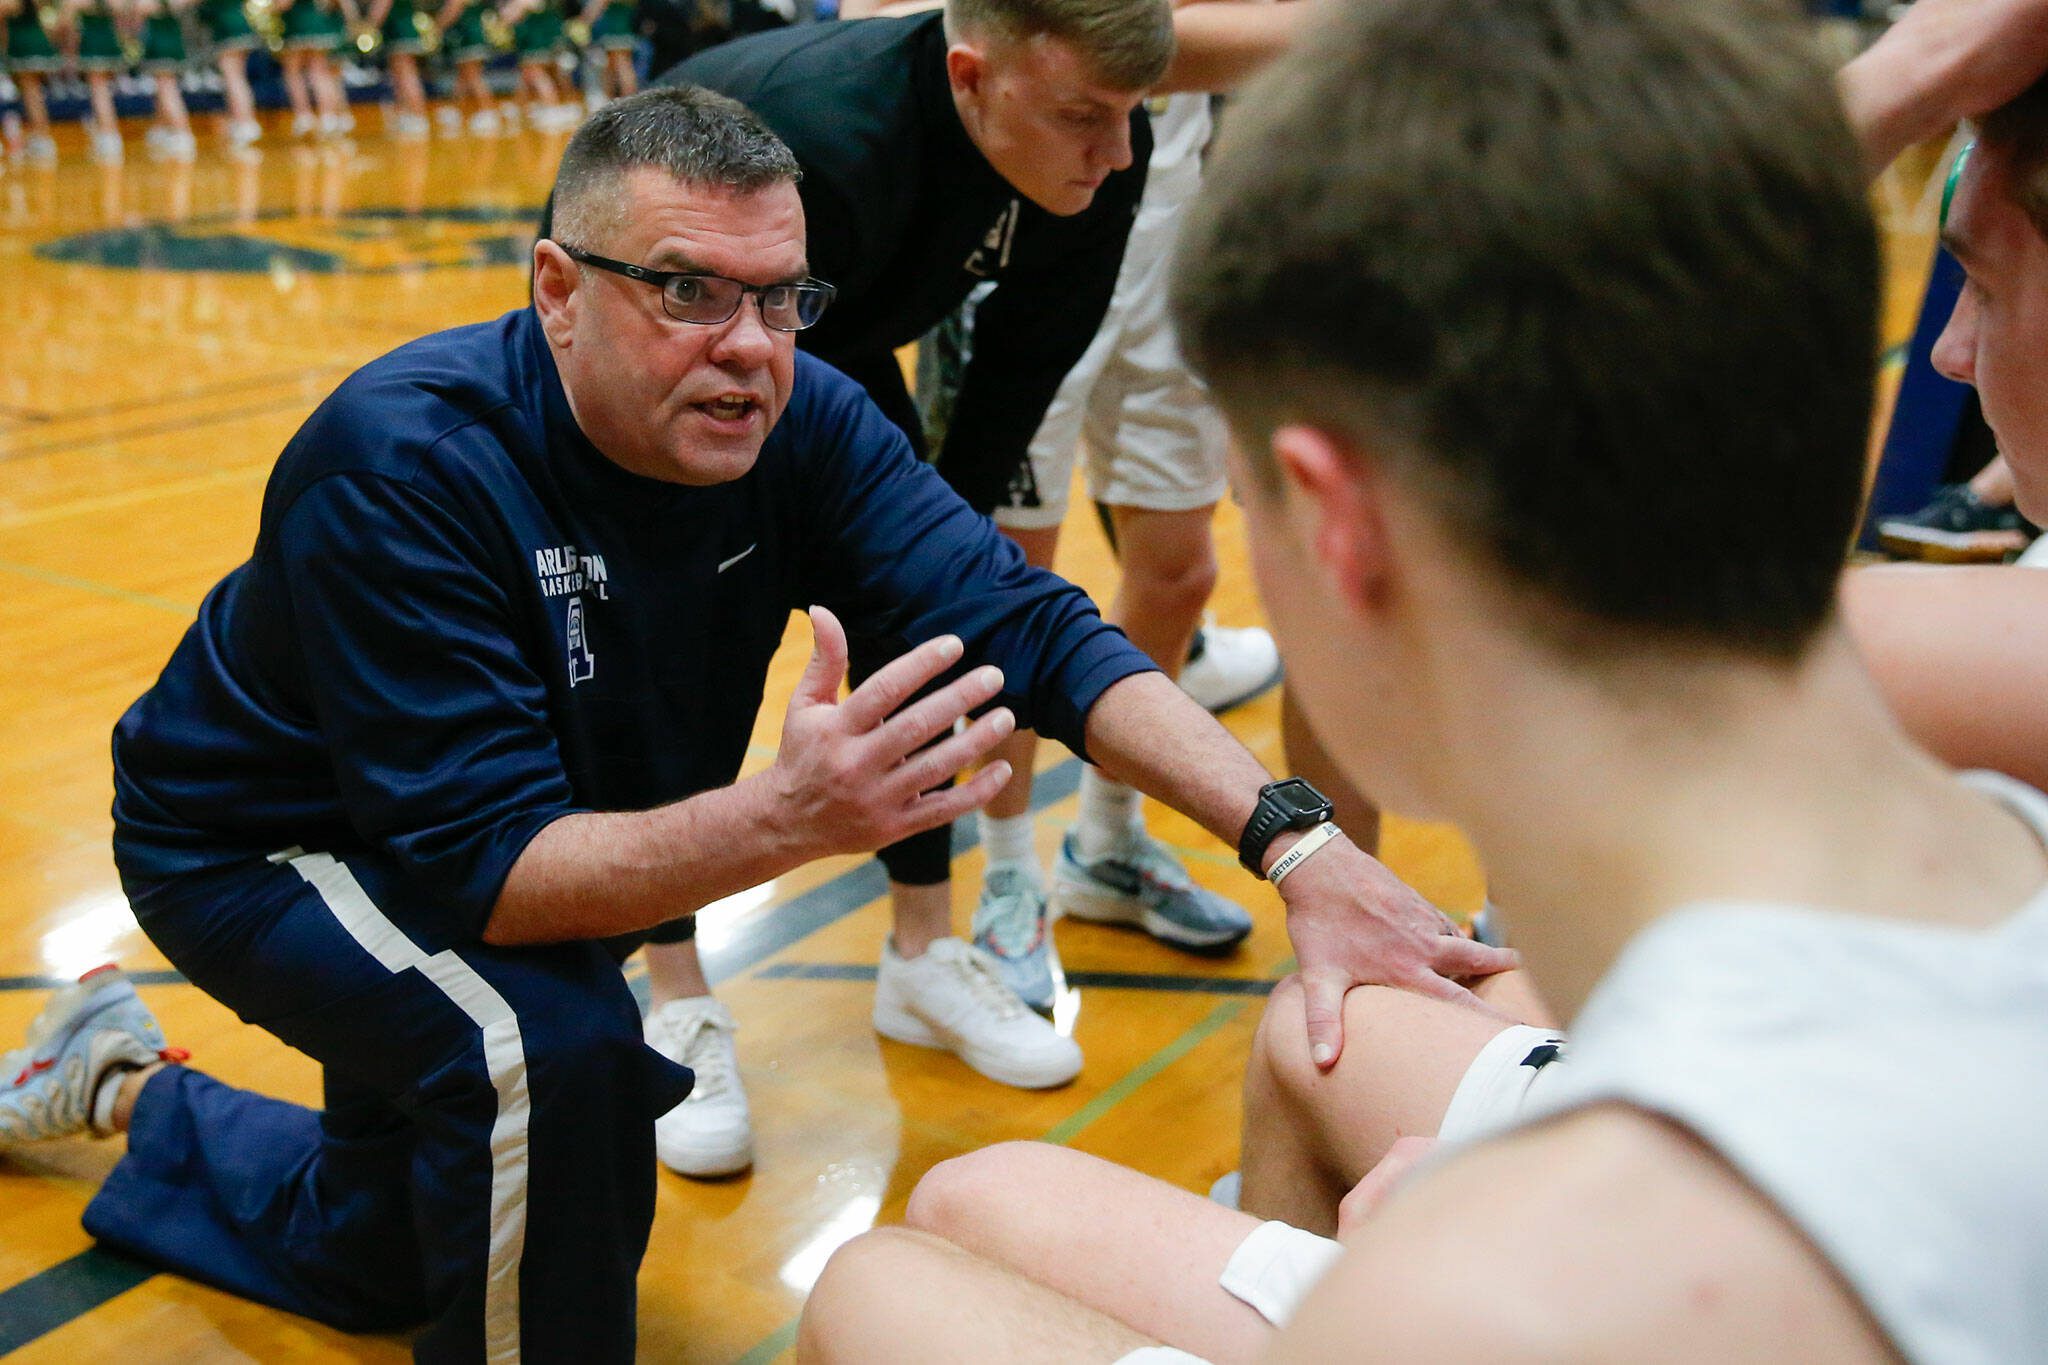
(854, 775)
(1353, 923)
(1368, 1194)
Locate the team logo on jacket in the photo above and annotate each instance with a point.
(562, 570)
(582, 663)
(994, 252)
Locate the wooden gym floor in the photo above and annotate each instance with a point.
(163, 330)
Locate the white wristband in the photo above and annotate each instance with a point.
(1299, 854)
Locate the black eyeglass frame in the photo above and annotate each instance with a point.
(660, 280)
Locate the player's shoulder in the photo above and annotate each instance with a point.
(1605, 1233)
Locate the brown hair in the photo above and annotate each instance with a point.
(2019, 130)
(1596, 277)
(1129, 42)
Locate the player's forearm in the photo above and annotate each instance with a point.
(1894, 95)
(593, 875)
(1220, 44)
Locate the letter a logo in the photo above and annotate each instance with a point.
(582, 663)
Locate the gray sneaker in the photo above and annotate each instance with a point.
(1144, 885)
(1011, 926)
(87, 1030)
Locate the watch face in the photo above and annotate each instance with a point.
(1296, 797)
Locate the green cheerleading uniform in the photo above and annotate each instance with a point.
(99, 46)
(29, 49)
(539, 34)
(466, 39)
(401, 29)
(614, 28)
(163, 44)
(227, 25)
(309, 26)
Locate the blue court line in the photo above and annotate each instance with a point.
(67, 1290)
(1114, 981)
(71, 1289)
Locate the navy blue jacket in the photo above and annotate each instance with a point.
(461, 622)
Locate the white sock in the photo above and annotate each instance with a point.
(105, 1096)
(1109, 815)
(1006, 842)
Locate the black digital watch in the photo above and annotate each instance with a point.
(1290, 803)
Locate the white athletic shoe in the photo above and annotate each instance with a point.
(410, 127)
(180, 147)
(304, 125)
(448, 120)
(41, 150)
(952, 998)
(485, 123)
(244, 133)
(711, 1133)
(1233, 666)
(87, 1030)
(106, 148)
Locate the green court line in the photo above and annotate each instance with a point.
(65, 580)
(771, 1346)
(1070, 1127)
(1065, 1131)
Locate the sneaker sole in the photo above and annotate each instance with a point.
(1096, 907)
(904, 1027)
(1951, 547)
(704, 1163)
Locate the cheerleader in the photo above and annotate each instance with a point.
(163, 61)
(611, 32)
(100, 59)
(398, 25)
(537, 36)
(31, 56)
(468, 46)
(312, 31)
(227, 28)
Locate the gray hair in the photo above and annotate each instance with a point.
(1128, 42)
(699, 137)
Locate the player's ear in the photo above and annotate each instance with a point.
(966, 68)
(1340, 494)
(557, 292)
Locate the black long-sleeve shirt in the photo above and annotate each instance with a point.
(906, 216)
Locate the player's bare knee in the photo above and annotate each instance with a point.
(963, 1188)
(857, 1278)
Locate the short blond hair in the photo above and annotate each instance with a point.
(1129, 42)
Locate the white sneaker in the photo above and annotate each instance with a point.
(157, 137)
(448, 119)
(1232, 666)
(952, 998)
(86, 1031)
(106, 148)
(244, 133)
(304, 125)
(711, 1133)
(409, 127)
(485, 123)
(180, 147)
(41, 150)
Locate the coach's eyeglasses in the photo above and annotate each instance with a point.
(693, 296)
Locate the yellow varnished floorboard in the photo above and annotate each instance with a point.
(144, 393)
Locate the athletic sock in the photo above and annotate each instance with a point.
(1006, 842)
(1109, 816)
(105, 1096)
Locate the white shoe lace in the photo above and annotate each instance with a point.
(985, 985)
(698, 1043)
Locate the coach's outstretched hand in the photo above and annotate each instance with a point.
(855, 775)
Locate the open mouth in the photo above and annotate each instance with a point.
(730, 407)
